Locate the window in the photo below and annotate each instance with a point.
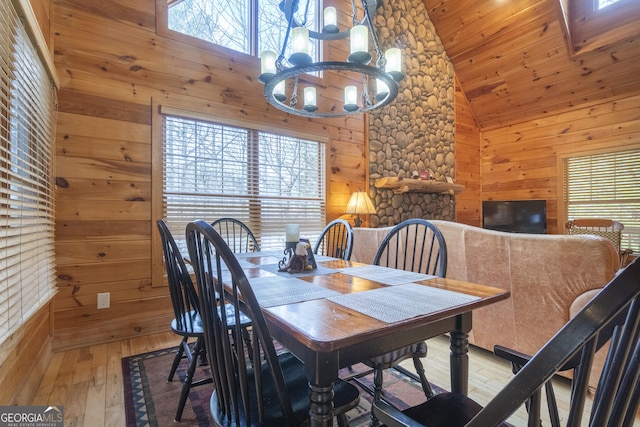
(27, 99)
(263, 179)
(605, 185)
(247, 26)
(604, 3)
(598, 23)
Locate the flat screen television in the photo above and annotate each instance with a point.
(515, 216)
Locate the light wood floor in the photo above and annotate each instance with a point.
(88, 381)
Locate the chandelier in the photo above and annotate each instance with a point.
(284, 78)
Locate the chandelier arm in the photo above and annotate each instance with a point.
(288, 13)
(380, 63)
(306, 13)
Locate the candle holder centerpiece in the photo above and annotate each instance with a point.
(298, 255)
(292, 238)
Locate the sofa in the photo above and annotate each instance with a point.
(550, 277)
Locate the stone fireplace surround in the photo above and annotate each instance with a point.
(417, 130)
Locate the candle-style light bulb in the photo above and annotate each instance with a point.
(267, 65)
(310, 99)
(394, 63)
(300, 46)
(382, 90)
(330, 20)
(359, 42)
(278, 92)
(350, 98)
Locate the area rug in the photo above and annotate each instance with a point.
(150, 400)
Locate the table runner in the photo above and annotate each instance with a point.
(401, 302)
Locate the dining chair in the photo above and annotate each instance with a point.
(187, 322)
(414, 245)
(237, 234)
(606, 228)
(616, 398)
(336, 240)
(274, 392)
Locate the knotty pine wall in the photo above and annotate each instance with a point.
(113, 65)
(467, 151)
(523, 161)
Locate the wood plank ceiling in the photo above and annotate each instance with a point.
(514, 64)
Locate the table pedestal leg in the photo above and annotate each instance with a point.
(321, 413)
(459, 360)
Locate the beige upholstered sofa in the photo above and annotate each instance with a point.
(550, 277)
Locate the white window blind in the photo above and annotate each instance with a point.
(265, 180)
(27, 119)
(606, 185)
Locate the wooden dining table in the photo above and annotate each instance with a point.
(343, 312)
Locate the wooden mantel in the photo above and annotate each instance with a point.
(404, 185)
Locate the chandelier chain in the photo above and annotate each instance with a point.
(380, 61)
(354, 13)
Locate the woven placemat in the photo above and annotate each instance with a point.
(401, 302)
(276, 290)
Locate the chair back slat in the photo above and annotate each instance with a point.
(617, 379)
(414, 245)
(236, 234)
(336, 240)
(183, 294)
(237, 382)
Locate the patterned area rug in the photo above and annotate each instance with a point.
(150, 400)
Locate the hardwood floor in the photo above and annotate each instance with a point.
(88, 381)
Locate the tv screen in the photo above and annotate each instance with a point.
(515, 216)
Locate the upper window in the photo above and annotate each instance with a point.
(604, 3)
(247, 26)
(598, 23)
(263, 179)
(605, 185)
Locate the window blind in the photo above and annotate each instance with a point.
(27, 119)
(605, 185)
(265, 180)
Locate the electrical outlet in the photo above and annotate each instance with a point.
(104, 300)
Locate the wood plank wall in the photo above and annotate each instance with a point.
(467, 150)
(522, 161)
(112, 64)
(24, 358)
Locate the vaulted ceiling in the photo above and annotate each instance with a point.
(514, 63)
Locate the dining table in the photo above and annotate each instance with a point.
(342, 312)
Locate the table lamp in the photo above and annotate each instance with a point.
(359, 203)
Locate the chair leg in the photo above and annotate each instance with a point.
(554, 417)
(247, 341)
(177, 359)
(426, 387)
(186, 387)
(377, 392)
(343, 420)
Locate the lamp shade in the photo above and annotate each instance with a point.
(359, 203)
